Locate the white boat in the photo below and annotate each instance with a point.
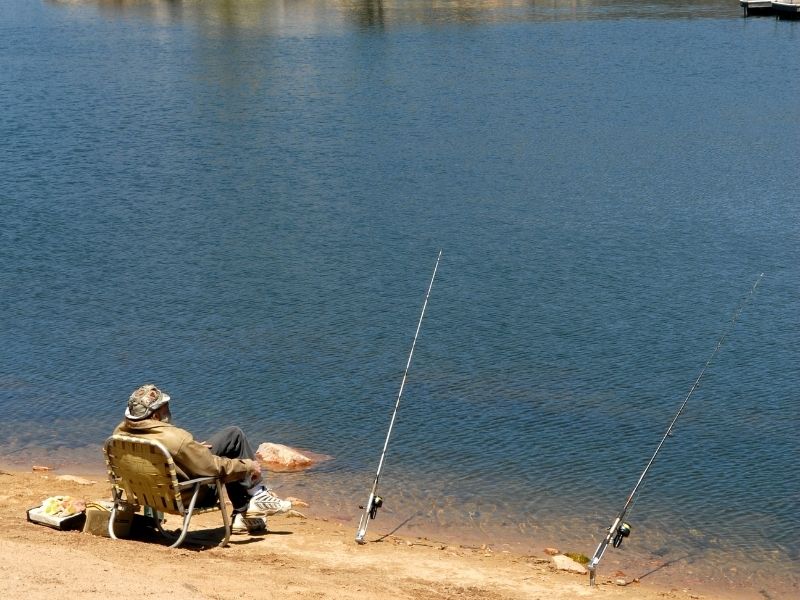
(787, 10)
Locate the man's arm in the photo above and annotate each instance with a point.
(196, 460)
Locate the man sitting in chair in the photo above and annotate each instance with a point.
(227, 454)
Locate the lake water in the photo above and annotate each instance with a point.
(243, 202)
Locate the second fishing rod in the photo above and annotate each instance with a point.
(620, 529)
(374, 502)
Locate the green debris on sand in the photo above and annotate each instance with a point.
(578, 557)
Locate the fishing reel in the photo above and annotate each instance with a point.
(623, 531)
(377, 502)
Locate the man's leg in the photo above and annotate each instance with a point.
(231, 442)
(252, 502)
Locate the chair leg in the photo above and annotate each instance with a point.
(226, 520)
(187, 517)
(117, 500)
(184, 530)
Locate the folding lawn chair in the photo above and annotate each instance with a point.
(142, 473)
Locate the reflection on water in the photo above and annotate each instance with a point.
(296, 17)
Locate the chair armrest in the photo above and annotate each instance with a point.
(191, 482)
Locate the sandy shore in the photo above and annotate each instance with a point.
(300, 558)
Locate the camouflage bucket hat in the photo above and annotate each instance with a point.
(144, 402)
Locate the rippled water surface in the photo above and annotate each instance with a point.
(243, 202)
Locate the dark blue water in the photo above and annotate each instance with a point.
(243, 203)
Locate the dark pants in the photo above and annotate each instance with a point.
(231, 442)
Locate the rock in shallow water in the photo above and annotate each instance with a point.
(283, 458)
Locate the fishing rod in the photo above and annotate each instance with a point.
(619, 529)
(375, 502)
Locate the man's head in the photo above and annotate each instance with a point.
(147, 402)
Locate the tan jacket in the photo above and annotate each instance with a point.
(192, 459)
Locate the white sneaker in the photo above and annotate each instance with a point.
(242, 524)
(265, 503)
